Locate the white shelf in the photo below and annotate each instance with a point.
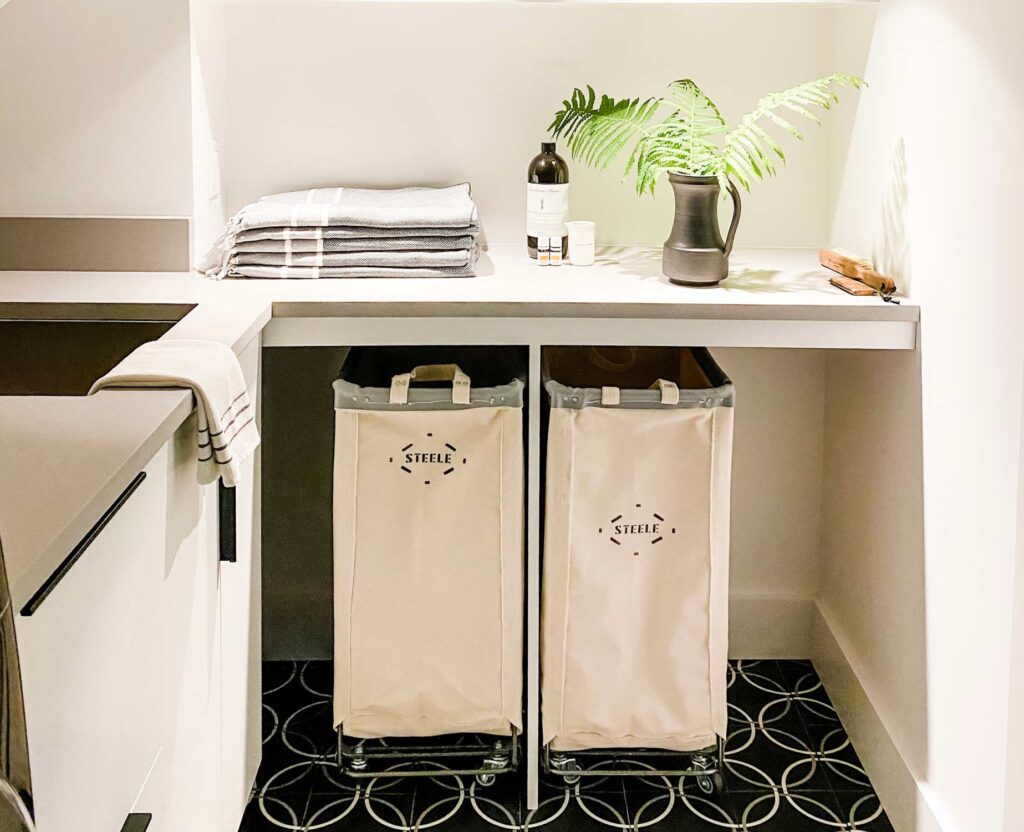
(772, 298)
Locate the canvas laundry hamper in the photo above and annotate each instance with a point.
(636, 549)
(428, 542)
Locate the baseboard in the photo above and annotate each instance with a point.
(768, 627)
(906, 800)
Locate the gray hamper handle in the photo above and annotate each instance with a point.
(669, 391)
(610, 396)
(431, 372)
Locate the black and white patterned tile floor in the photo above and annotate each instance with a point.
(789, 768)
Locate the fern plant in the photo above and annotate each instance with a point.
(693, 137)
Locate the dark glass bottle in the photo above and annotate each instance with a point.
(547, 198)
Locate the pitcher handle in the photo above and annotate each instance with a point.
(736, 207)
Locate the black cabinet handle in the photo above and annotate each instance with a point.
(227, 522)
(83, 544)
(137, 822)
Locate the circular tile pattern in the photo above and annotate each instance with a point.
(789, 764)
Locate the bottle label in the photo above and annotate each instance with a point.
(547, 207)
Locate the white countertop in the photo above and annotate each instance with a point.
(624, 282)
(67, 458)
(763, 283)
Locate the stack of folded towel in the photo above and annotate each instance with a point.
(351, 232)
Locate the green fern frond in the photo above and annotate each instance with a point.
(690, 139)
(695, 121)
(597, 134)
(682, 142)
(748, 144)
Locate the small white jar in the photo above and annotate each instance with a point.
(581, 242)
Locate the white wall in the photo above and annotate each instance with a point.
(1015, 734)
(777, 474)
(208, 90)
(95, 103)
(387, 94)
(932, 186)
(872, 566)
(775, 563)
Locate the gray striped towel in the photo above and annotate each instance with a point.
(450, 207)
(309, 272)
(392, 259)
(354, 232)
(225, 417)
(373, 211)
(329, 245)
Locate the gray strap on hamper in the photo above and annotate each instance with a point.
(431, 372)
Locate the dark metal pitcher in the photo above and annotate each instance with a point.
(694, 253)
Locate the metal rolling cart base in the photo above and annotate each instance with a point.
(500, 756)
(706, 765)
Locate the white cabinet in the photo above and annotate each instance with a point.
(91, 671)
(142, 667)
(190, 642)
(241, 634)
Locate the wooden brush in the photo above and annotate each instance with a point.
(855, 269)
(851, 285)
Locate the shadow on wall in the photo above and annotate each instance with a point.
(298, 443)
(892, 249)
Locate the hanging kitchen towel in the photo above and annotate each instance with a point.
(225, 416)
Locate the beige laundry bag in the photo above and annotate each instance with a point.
(636, 549)
(428, 551)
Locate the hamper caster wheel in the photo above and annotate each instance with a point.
(566, 768)
(497, 762)
(571, 775)
(711, 784)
